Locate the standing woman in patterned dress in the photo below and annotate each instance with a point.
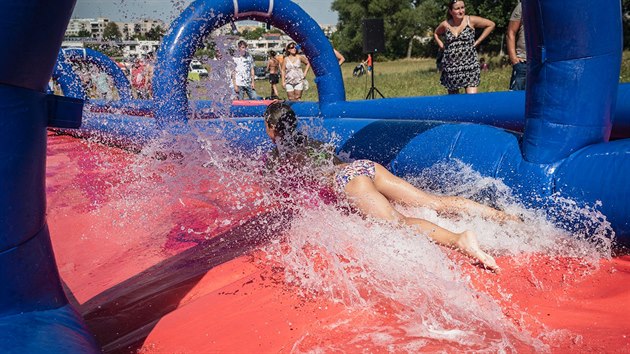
(460, 64)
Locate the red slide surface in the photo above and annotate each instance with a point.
(159, 274)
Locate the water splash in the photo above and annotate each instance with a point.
(401, 291)
(412, 288)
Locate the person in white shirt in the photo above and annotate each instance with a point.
(243, 75)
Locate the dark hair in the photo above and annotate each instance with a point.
(291, 45)
(272, 53)
(280, 117)
(450, 7)
(242, 43)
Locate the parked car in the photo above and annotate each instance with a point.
(196, 70)
(260, 73)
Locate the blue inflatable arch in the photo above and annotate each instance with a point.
(202, 16)
(70, 82)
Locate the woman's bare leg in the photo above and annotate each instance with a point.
(471, 90)
(363, 195)
(297, 94)
(398, 190)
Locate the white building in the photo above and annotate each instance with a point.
(139, 49)
(269, 41)
(130, 49)
(96, 27)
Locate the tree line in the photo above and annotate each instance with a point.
(409, 25)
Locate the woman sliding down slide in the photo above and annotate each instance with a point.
(370, 188)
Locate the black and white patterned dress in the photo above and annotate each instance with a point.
(460, 64)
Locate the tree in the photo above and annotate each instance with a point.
(83, 33)
(111, 32)
(155, 34)
(254, 34)
(498, 11)
(111, 51)
(406, 21)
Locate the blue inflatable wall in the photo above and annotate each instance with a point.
(34, 313)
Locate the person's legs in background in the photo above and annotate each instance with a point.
(519, 76)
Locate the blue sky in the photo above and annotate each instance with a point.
(167, 10)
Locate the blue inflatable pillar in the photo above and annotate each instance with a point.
(573, 59)
(202, 16)
(34, 312)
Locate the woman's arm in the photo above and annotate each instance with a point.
(480, 22)
(283, 71)
(340, 58)
(439, 30)
(307, 63)
(510, 39)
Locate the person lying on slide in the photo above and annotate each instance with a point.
(371, 189)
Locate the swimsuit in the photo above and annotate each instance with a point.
(357, 168)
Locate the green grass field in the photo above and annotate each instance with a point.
(413, 77)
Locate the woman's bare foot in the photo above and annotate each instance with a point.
(467, 244)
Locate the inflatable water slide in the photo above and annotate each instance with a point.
(174, 245)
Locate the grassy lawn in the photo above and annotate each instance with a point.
(414, 77)
(399, 78)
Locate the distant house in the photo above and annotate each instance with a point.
(130, 49)
(139, 49)
(96, 27)
(269, 41)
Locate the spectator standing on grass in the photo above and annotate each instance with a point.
(149, 68)
(460, 63)
(292, 73)
(273, 68)
(103, 88)
(515, 40)
(139, 79)
(243, 75)
(483, 65)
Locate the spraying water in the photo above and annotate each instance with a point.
(402, 292)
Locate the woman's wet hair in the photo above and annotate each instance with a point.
(280, 117)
